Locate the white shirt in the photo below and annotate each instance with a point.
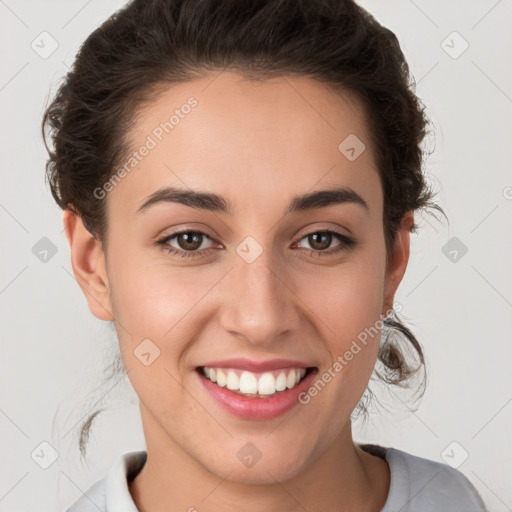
(417, 485)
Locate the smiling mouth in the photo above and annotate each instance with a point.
(255, 384)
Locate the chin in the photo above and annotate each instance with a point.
(251, 466)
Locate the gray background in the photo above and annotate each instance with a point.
(54, 352)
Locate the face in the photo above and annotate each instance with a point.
(254, 290)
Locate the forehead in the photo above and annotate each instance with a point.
(256, 142)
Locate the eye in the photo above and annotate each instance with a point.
(190, 243)
(319, 241)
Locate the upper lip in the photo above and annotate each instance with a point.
(257, 366)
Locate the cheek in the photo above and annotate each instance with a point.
(348, 299)
(348, 306)
(160, 302)
(153, 307)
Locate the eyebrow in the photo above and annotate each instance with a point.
(216, 203)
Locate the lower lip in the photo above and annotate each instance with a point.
(255, 408)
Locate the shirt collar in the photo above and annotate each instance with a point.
(118, 497)
(128, 465)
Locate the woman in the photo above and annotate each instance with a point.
(239, 182)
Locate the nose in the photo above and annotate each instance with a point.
(258, 302)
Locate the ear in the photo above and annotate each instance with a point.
(398, 261)
(89, 266)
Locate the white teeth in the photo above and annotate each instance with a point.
(232, 381)
(267, 384)
(249, 383)
(281, 382)
(290, 381)
(221, 378)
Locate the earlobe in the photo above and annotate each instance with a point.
(89, 266)
(398, 261)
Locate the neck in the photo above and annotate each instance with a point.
(343, 478)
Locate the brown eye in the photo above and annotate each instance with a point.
(189, 240)
(320, 240)
(188, 243)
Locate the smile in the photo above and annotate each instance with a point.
(255, 384)
(256, 391)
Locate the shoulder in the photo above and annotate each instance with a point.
(112, 492)
(423, 485)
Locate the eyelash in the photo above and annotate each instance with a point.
(346, 243)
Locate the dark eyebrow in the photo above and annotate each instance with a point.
(215, 203)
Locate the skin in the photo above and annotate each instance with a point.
(258, 145)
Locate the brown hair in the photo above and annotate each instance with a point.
(150, 44)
